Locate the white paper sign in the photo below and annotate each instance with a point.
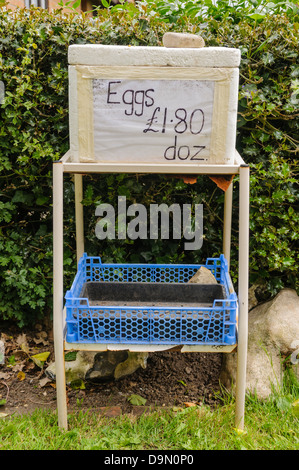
(152, 121)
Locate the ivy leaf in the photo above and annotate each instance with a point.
(70, 356)
(23, 197)
(41, 200)
(137, 400)
(77, 384)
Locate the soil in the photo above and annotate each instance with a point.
(171, 379)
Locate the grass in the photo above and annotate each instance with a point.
(269, 425)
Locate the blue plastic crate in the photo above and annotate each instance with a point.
(86, 322)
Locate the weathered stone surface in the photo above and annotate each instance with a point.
(115, 364)
(104, 365)
(203, 276)
(101, 366)
(74, 370)
(132, 363)
(252, 300)
(184, 40)
(273, 331)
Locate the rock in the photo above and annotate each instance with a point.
(74, 370)
(252, 300)
(203, 276)
(132, 363)
(184, 40)
(110, 365)
(104, 365)
(273, 332)
(101, 366)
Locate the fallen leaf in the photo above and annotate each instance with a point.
(133, 384)
(21, 339)
(4, 375)
(19, 366)
(177, 408)
(19, 355)
(40, 358)
(21, 376)
(188, 404)
(240, 432)
(2, 402)
(3, 415)
(136, 400)
(41, 337)
(23, 343)
(41, 341)
(44, 381)
(30, 365)
(5, 337)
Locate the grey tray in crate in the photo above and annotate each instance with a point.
(124, 303)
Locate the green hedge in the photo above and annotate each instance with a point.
(34, 132)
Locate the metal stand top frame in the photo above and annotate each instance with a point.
(66, 165)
